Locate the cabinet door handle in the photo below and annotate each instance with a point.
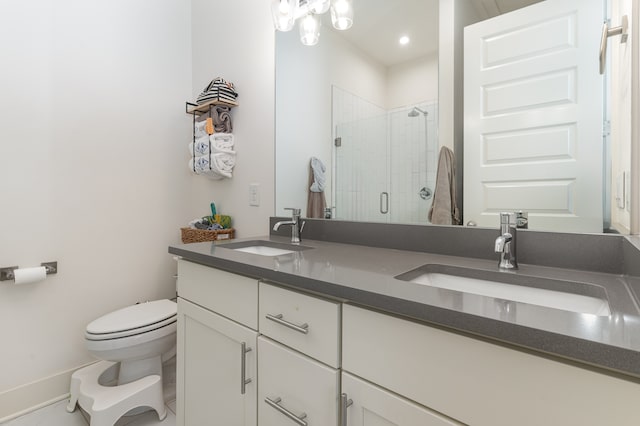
(345, 402)
(243, 368)
(304, 328)
(275, 403)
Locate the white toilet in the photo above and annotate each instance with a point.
(132, 342)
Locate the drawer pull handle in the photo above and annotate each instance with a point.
(275, 403)
(304, 328)
(243, 368)
(345, 402)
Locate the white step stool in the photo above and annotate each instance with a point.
(106, 404)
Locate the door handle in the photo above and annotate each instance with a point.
(622, 30)
(275, 403)
(304, 328)
(345, 403)
(243, 368)
(384, 207)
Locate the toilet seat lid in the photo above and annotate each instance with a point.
(133, 317)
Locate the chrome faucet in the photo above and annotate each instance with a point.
(506, 242)
(296, 225)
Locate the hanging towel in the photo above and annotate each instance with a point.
(319, 179)
(316, 201)
(444, 210)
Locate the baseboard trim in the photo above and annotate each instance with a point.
(32, 396)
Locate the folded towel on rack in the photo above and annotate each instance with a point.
(222, 140)
(218, 89)
(199, 129)
(222, 163)
(221, 116)
(199, 148)
(200, 165)
(319, 178)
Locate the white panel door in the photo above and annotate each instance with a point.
(533, 104)
(374, 406)
(209, 365)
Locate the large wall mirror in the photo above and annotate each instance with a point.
(366, 108)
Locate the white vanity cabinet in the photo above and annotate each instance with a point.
(477, 382)
(252, 353)
(217, 354)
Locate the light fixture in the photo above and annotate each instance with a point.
(404, 40)
(285, 13)
(342, 14)
(310, 29)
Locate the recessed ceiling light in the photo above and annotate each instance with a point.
(404, 40)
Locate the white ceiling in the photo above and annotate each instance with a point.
(378, 25)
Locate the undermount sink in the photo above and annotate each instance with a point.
(264, 248)
(564, 295)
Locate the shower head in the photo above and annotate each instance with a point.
(416, 112)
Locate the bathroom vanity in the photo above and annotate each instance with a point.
(325, 333)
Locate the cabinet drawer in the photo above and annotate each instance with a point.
(296, 383)
(230, 295)
(477, 382)
(305, 323)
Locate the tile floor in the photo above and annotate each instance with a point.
(56, 414)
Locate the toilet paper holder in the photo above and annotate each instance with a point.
(6, 274)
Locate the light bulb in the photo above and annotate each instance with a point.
(283, 13)
(310, 30)
(342, 14)
(320, 6)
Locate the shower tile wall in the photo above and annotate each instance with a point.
(413, 162)
(361, 160)
(382, 151)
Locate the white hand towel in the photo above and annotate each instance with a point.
(319, 178)
(222, 140)
(199, 148)
(199, 129)
(199, 165)
(222, 164)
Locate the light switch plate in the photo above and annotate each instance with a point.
(254, 194)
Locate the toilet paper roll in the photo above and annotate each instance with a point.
(29, 275)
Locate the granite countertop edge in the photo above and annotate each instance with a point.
(583, 350)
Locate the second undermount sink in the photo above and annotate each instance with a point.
(264, 248)
(564, 295)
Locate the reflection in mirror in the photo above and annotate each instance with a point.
(366, 106)
(384, 160)
(351, 104)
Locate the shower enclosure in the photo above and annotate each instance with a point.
(384, 161)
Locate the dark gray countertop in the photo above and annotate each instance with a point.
(365, 276)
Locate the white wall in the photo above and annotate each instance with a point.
(235, 40)
(412, 82)
(305, 75)
(92, 129)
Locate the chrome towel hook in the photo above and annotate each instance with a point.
(622, 30)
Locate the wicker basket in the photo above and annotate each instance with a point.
(190, 235)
